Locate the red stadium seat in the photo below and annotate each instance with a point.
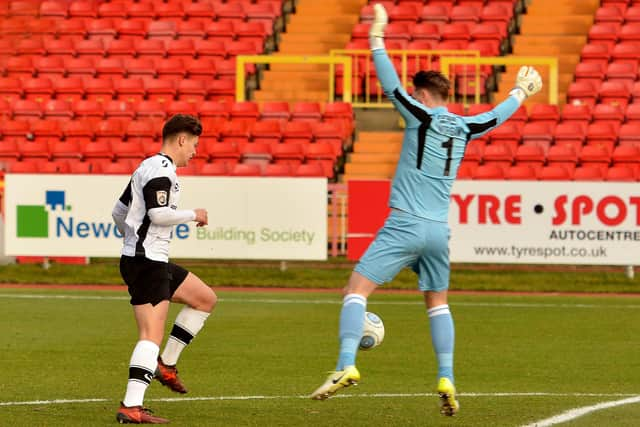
(46, 129)
(530, 155)
(291, 154)
(190, 30)
(435, 13)
(466, 170)
(266, 132)
(20, 66)
(223, 152)
(245, 110)
(129, 90)
(39, 89)
(588, 71)
(132, 28)
(584, 92)
(241, 169)
(306, 111)
(180, 107)
(170, 68)
(615, 92)
(144, 11)
(34, 150)
(193, 91)
(221, 90)
(80, 67)
(103, 29)
(26, 109)
(212, 109)
(65, 150)
(221, 31)
(629, 134)
(629, 32)
(521, 172)
(168, 11)
(128, 150)
(492, 172)
(256, 153)
(278, 110)
(554, 173)
(300, 132)
(277, 169)
(580, 112)
(200, 11)
(587, 173)
(620, 173)
(608, 113)
(23, 167)
(604, 33)
(119, 168)
(626, 71)
(53, 9)
(626, 155)
(183, 48)
(9, 150)
(597, 155)
(71, 29)
(97, 150)
(235, 130)
(230, 11)
(609, 13)
(214, 169)
(404, 12)
(598, 53)
(141, 130)
(604, 134)
(544, 112)
(148, 48)
(201, 69)
(310, 170)
(112, 10)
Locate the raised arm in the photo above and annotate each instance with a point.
(391, 85)
(528, 82)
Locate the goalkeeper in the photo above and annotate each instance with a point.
(416, 232)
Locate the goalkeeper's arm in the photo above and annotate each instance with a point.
(528, 82)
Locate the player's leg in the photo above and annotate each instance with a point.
(149, 289)
(199, 300)
(391, 250)
(433, 270)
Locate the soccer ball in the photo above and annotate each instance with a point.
(373, 332)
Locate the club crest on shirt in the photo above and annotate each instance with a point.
(161, 198)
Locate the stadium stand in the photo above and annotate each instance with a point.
(92, 82)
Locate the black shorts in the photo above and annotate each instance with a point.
(150, 281)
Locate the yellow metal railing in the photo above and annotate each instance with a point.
(345, 61)
(551, 62)
(364, 96)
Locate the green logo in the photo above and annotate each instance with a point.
(33, 220)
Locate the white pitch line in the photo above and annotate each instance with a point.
(333, 302)
(342, 396)
(572, 414)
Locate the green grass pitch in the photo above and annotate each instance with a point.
(518, 360)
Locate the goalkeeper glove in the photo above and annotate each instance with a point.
(376, 32)
(528, 82)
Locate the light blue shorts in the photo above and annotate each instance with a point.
(406, 240)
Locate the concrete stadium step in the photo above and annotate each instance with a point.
(376, 170)
(374, 157)
(315, 29)
(381, 137)
(560, 25)
(368, 147)
(562, 7)
(552, 44)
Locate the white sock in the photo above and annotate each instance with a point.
(188, 323)
(142, 366)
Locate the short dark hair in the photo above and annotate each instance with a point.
(433, 82)
(181, 123)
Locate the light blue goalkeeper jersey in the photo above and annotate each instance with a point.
(433, 146)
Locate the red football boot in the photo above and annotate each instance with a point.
(168, 375)
(137, 415)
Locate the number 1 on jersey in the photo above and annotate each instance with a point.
(449, 146)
